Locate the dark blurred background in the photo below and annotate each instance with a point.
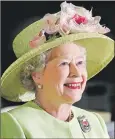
(15, 15)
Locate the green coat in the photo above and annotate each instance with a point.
(30, 121)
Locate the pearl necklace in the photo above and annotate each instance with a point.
(70, 117)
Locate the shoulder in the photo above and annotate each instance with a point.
(87, 113)
(94, 118)
(11, 121)
(79, 111)
(90, 115)
(23, 112)
(9, 124)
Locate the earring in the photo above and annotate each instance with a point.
(39, 86)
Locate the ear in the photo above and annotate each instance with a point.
(37, 77)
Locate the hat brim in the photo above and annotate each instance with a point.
(100, 51)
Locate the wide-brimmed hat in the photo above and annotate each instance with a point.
(71, 24)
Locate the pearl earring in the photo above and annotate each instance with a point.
(39, 86)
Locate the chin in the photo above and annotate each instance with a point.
(73, 99)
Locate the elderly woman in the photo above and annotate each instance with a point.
(56, 57)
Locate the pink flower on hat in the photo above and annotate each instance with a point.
(80, 19)
(37, 40)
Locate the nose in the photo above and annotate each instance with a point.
(74, 71)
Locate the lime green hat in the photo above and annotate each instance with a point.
(72, 24)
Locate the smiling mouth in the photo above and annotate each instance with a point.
(73, 85)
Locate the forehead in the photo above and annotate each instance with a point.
(69, 49)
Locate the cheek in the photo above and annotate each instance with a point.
(83, 71)
(62, 70)
(84, 75)
(62, 73)
(55, 75)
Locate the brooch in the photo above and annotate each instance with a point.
(84, 124)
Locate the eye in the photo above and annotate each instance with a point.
(80, 63)
(64, 63)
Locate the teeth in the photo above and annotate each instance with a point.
(78, 84)
(74, 85)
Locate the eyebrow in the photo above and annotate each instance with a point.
(68, 57)
(77, 57)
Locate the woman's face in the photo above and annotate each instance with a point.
(65, 75)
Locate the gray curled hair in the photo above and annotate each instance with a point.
(37, 63)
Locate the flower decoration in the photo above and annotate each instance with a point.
(71, 19)
(78, 19)
(38, 39)
(52, 23)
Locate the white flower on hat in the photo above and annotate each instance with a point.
(73, 19)
(77, 19)
(52, 24)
